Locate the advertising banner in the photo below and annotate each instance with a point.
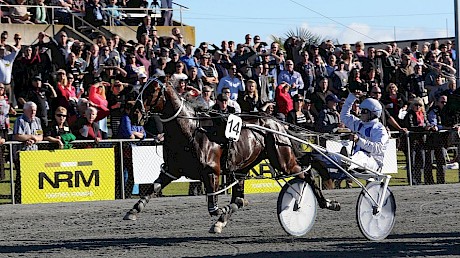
(67, 175)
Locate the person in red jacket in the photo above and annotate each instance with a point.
(283, 99)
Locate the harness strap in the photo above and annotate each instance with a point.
(176, 114)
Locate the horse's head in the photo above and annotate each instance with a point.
(151, 98)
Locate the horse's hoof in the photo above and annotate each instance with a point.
(130, 216)
(333, 205)
(217, 227)
(241, 202)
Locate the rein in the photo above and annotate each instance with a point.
(175, 115)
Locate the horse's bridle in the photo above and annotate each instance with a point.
(147, 114)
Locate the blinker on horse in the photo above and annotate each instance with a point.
(190, 152)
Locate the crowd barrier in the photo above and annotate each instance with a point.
(92, 171)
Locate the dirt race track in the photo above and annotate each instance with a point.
(427, 225)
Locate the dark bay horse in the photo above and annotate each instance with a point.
(189, 151)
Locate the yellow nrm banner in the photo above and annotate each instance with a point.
(67, 175)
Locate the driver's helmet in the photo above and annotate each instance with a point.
(372, 105)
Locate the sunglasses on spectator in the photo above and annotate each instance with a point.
(17, 38)
(2, 88)
(61, 115)
(225, 91)
(70, 78)
(417, 104)
(376, 92)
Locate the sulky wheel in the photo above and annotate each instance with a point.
(375, 226)
(296, 208)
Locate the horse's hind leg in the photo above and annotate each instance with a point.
(161, 182)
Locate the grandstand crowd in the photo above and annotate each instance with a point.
(303, 84)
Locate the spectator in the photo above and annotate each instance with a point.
(130, 128)
(220, 61)
(142, 59)
(40, 14)
(132, 69)
(292, 77)
(416, 122)
(417, 84)
(265, 89)
(318, 98)
(119, 95)
(146, 27)
(179, 45)
(205, 98)
(355, 81)
(88, 128)
(283, 100)
(59, 131)
(6, 69)
(207, 72)
(94, 13)
(188, 59)
(187, 91)
(393, 101)
(19, 13)
(403, 74)
(299, 116)
(329, 118)
(63, 13)
(98, 98)
(5, 110)
(28, 130)
(233, 81)
(178, 75)
(167, 12)
(41, 94)
(196, 82)
(222, 105)
(232, 103)
(340, 81)
(113, 12)
(436, 141)
(67, 95)
(250, 101)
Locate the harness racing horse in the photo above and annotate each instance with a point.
(189, 151)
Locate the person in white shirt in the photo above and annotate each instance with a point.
(370, 135)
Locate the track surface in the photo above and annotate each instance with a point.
(427, 225)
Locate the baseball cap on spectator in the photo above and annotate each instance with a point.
(307, 100)
(37, 78)
(97, 79)
(142, 75)
(442, 46)
(153, 28)
(165, 49)
(61, 71)
(2, 47)
(332, 97)
(222, 97)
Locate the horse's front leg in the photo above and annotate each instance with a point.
(238, 194)
(161, 182)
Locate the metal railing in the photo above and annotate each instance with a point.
(153, 10)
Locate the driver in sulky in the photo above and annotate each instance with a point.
(370, 136)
